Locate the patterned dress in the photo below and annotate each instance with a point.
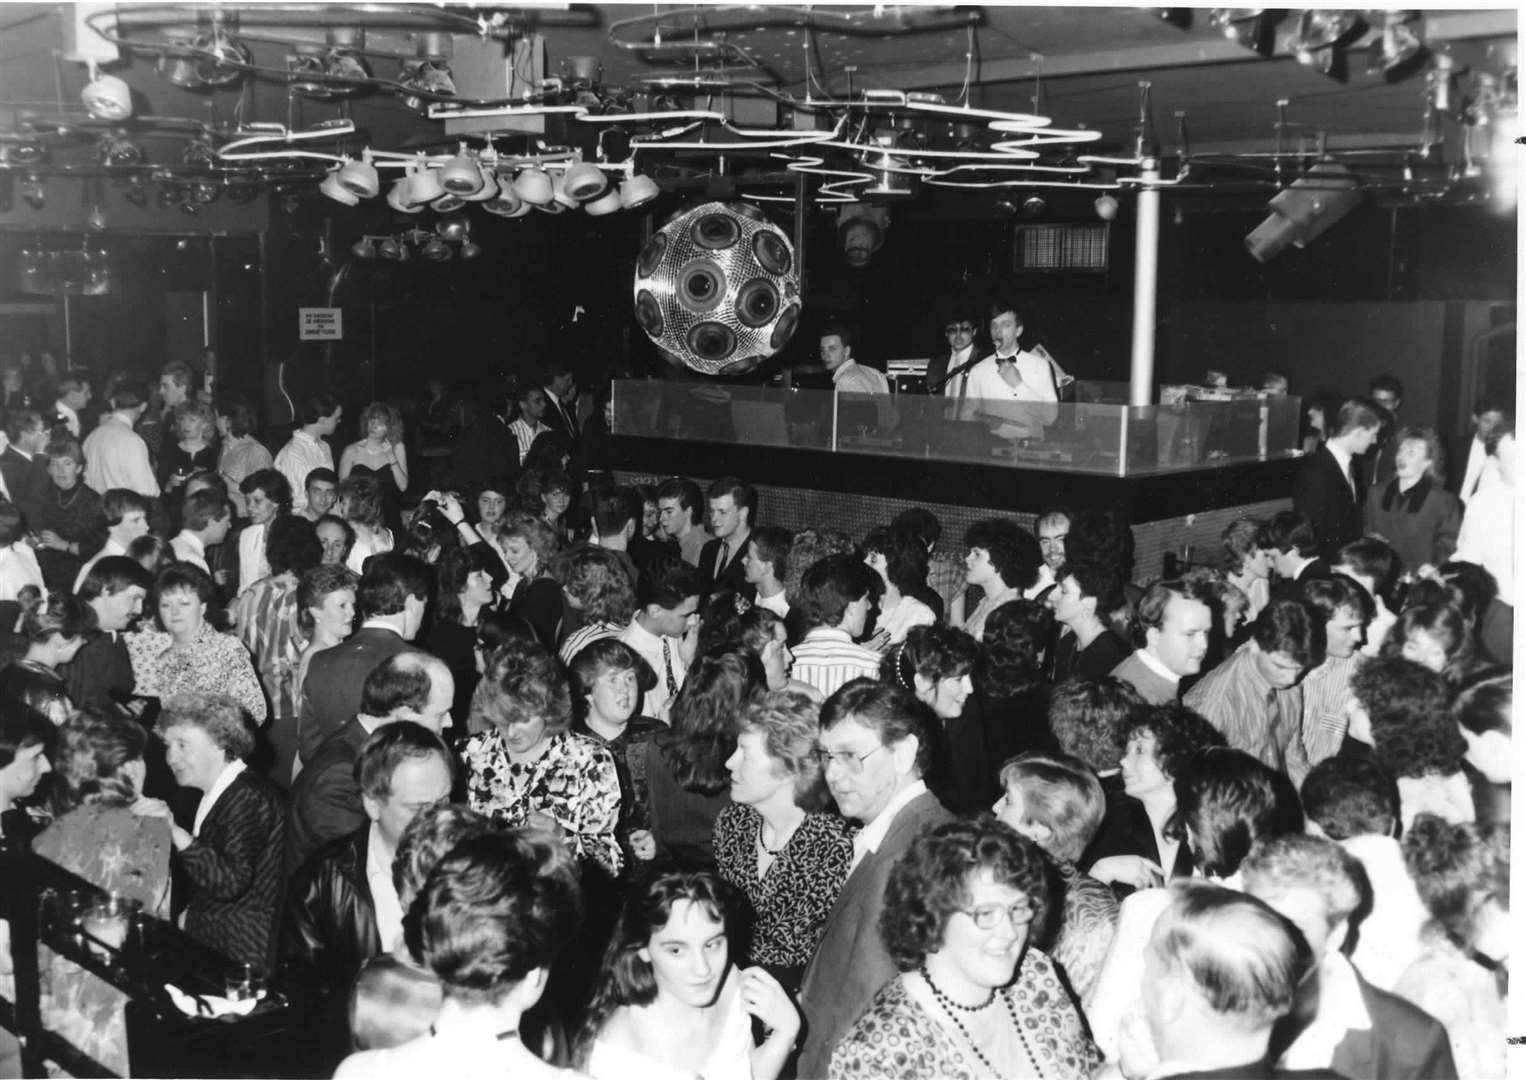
(212, 663)
(574, 781)
(266, 618)
(896, 1039)
(115, 849)
(1088, 921)
(792, 901)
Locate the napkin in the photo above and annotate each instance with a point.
(214, 1007)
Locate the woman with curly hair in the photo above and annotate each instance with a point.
(1436, 636)
(1003, 559)
(901, 562)
(530, 548)
(1012, 694)
(973, 992)
(380, 455)
(598, 586)
(777, 842)
(526, 767)
(1462, 873)
(686, 765)
(671, 1002)
(488, 922)
(359, 502)
(193, 449)
(464, 593)
(936, 663)
(1402, 710)
(98, 781)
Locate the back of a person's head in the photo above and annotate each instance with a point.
(1454, 867)
(1284, 627)
(1284, 866)
(669, 587)
(389, 580)
(830, 585)
(1357, 414)
(1229, 800)
(1086, 716)
(614, 509)
(922, 522)
(398, 682)
(1349, 797)
(1063, 795)
(1290, 531)
(317, 407)
(112, 574)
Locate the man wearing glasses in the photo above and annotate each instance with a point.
(959, 332)
(873, 750)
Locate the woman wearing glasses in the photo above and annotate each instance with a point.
(972, 999)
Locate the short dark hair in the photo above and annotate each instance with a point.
(316, 407)
(64, 445)
(688, 495)
(240, 413)
(905, 556)
(1357, 414)
(669, 586)
(1179, 732)
(838, 330)
(773, 545)
(1001, 304)
(1284, 626)
(922, 522)
(1087, 715)
(1385, 384)
(831, 585)
(128, 394)
(322, 474)
(202, 509)
(1150, 614)
(1012, 647)
(1014, 551)
(23, 727)
(523, 681)
(272, 482)
(13, 524)
(1412, 728)
(598, 657)
(1289, 530)
(1351, 795)
(1484, 703)
(184, 577)
(933, 652)
(388, 747)
(1327, 597)
(931, 883)
(744, 495)
(111, 574)
(1227, 800)
(1095, 579)
(1373, 558)
(399, 682)
(614, 508)
(117, 503)
(20, 421)
(389, 580)
(892, 712)
(291, 544)
(317, 583)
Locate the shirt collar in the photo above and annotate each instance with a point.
(1341, 454)
(221, 784)
(66, 411)
(384, 902)
(872, 835)
(192, 541)
(842, 371)
(657, 639)
(1341, 1010)
(1149, 660)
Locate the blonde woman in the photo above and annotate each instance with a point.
(195, 426)
(380, 454)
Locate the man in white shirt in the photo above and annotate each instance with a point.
(306, 449)
(851, 377)
(528, 424)
(73, 396)
(1015, 390)
(767, 553)
(874, 749)
(205, 520)
(1481, 472)
(834, 594)
(126, 514)
(1487, 539)
(115, 455)
(664, 631)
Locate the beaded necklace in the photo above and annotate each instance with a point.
(950, 1005)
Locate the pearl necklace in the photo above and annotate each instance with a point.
(950, 1005)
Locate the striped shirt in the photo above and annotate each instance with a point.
(584, 636)
(827, 657)
(1326, 691)
(1253, 715)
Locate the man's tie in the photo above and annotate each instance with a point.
(667, 668)
(725, 558)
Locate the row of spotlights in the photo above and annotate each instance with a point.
(451, 235)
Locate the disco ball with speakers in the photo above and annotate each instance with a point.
(718, 289)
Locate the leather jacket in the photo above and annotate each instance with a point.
(329, 927)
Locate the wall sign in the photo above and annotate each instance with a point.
(320, 324)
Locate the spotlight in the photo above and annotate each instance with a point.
(1319, 36)
(359, 177)
(32, 191)
(563, 200)
(584, 181)
(107, 97)
(447, 203)
(432, 77)
(425, 185)
(1034, 206)
(435, 250)
(534, 187)
(454, 228)
(607, 203)
(400, 197)
(1106, 207)
(506, 203)
(362, 249)
(179, 65)
(1301, 212)
(219, 57)
(489, 186)
(462, 174)
(389, 248)
(32, 271)
(638, 191)
(335, 190)
(470, 250)
(118, 150)
(96, 219)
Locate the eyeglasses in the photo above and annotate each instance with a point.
(959, 328)
(851, 762)
(987, 916)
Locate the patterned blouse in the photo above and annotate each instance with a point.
(1088, 921)
(212, 664)
(896, 1039)
(791, 902)
(266, 617)
(574, 781)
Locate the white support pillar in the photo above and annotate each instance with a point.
(1146, 269)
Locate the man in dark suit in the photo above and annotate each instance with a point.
(341, 906)
(733, 508)
(391, 600)
(1387, 393)
(561, 389)
(1317, 885)
(876, 749)
(325, 798)
(1221, 968)
(1331, 486)
(1295, 553)
(486, 451)
(959, 332)
(23, 465)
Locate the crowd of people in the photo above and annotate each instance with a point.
(531, 770)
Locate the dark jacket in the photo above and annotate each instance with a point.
(1320, 492)
(335, 677)
(1404, 1043)
(28, 484)
(1126, 830)
(485, 451)
(733, 578)
(234, 867)
(325, 799)
(1421, 524)
(329, 926)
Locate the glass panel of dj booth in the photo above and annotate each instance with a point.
(1100, 437)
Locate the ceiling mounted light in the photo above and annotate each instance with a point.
(400, 197)
(638, 191)
(120, 151)
(96, 219)
(561, 199)
(98, 276)
(31, 152)
(1250, 27)
(584, 181)
(363, 248)
(462, 174)
(335, 189)
(1106, 207)
(107, 97)
(220, 58)
(359, 177)
(33, 193)
(178, 63)
(432, 77)
(391, 249)
(447, 203)
(1398, 52)
(455, 228)
(1304, 210)
(470, 250)
(489, 186)
(607, 203)
(1034, 206)
(436, 250)
(534, 187)
(506, 203)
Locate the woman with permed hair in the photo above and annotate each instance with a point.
(359, 502)
(380, 455)
(1401, 709)
(193, 449)
(974, 998)
(1011, 690)
(488, 922)
(526, 767)
(901, 562)
(465, 592)
(1436, 636)
(936, 664)
(597, 584)
(99, 834)
(671, 1001)
(535, 595)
